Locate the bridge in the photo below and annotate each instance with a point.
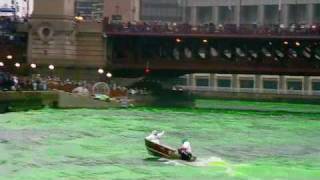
(137, 49)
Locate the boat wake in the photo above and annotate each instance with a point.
(200, 162)
(212, 161)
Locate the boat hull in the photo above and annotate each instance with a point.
(160, 150)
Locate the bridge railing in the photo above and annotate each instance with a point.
(173, 28)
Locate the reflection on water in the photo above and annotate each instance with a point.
(108, 144)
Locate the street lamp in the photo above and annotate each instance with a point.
(100, 71)
(51, 67)
(33, 66)
(109, 75)
(9, 57)
(17, 65)
(1, 64)
(79, 18)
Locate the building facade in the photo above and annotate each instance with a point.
(74, 49)
(21, 7)
(122, 11)
(162, 10)
(90, 9)
(260, 13)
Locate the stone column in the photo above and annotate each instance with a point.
(310, 11)
(194, 16)
(283, 84)
(215, 15)
(212, 83)
(235, 82)
(258, 83)
(307, 85)
(190, 80)
(261, 12)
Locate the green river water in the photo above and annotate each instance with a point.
(108, 144)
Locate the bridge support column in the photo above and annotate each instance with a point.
(258, 83)
(310, 11)
(261, 13)
(235, 82)
(307, 85)
(194, 16)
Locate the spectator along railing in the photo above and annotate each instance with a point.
(173, 28)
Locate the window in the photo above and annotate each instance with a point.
(272, 14)
(224, 83)
(249, 14)
(294, 85)
(316, 13)
(247, 84)
(226, 14)
(202, 81)
(270, 84)
(316, 86)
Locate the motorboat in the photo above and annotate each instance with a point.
(160, 150)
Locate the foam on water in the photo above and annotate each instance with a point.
(212, 161)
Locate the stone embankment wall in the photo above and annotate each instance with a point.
(27, 100)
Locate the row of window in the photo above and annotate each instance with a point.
(249, 14)
(267, 84)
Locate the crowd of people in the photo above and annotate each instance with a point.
(210, 28)
(84, 88)
(7, 24)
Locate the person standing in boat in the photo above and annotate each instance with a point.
(185, 150)
(155, 136)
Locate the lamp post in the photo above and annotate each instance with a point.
(109, 76)
(33, 67)
(100, 72)
(17, 65)
(51, 68)
(9, 57)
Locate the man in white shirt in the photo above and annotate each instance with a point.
(155, 136)
(185, 150)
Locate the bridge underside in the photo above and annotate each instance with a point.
(174, 55)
